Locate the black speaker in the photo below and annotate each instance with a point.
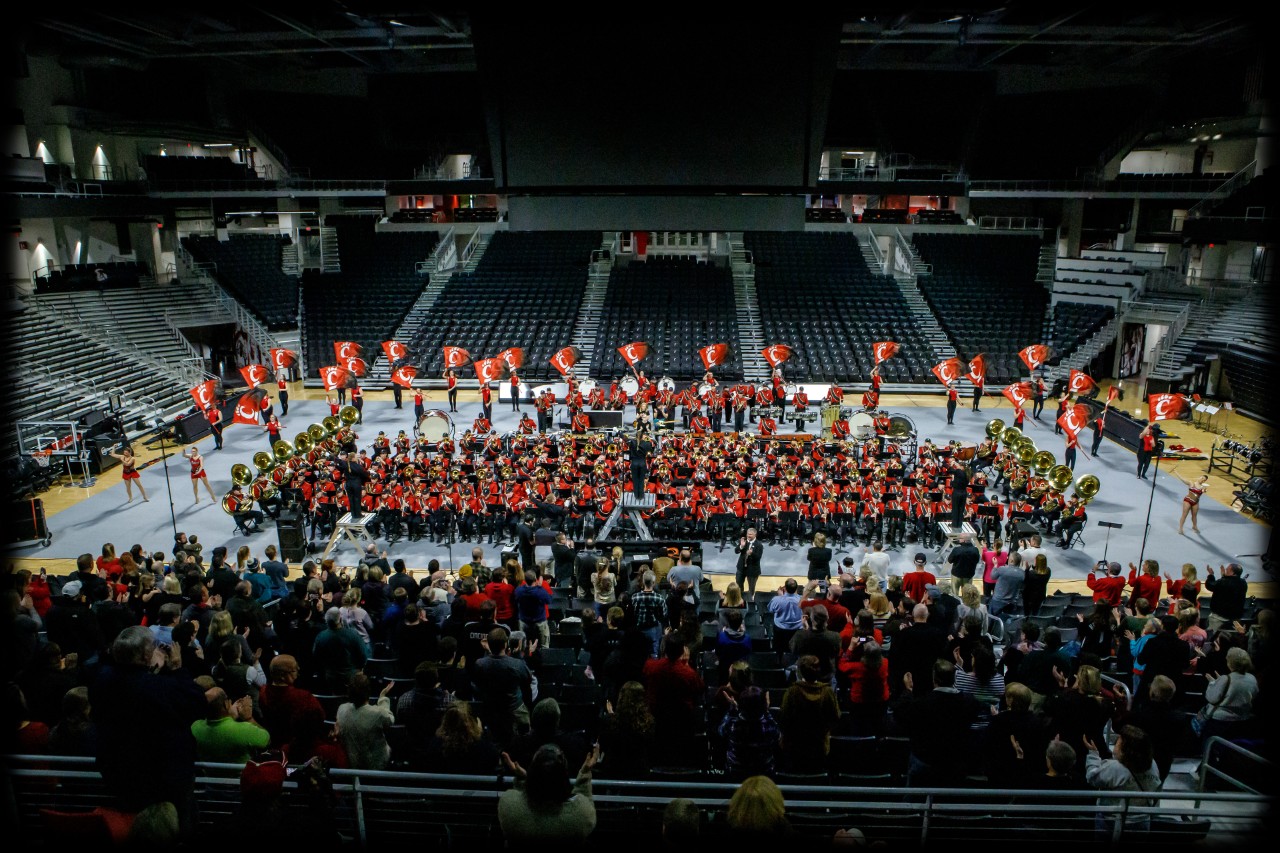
(191, 428)
(293, 541)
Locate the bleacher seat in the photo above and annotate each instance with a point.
(817, 295)
(248, 267)
(524, 292)
(1072, 324)
(677, 306)
(984, 292)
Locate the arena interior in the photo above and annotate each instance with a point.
(495, 426)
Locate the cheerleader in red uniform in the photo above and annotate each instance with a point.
(451, 377)
(273, 428)
(1191, 502)
(129, 473)
(198, 474)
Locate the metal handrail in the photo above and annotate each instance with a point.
(1223, 192)
(875, 248)
(1206, 768)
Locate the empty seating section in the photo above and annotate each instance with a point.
(365, 302)
(817, 295)
(196, 169)
(1072, 324)
(1249, 372)
(677, 306)
(984, 292)
(92, 277)
(524, 292)
(248, 267)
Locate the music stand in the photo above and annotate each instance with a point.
(990, 514)
(1110, 525)
(722, 520)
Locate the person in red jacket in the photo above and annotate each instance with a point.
(1146, 583)
(914, 582)
(1109, 587)
(673, 688)
(502, 593)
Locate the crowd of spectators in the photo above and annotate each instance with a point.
(613, 669)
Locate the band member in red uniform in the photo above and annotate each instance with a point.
(715, 408)
(876, 380)
(272, 428)
(1190, 503)
(801, 404)
(282, 391)
(741, 401)
(214, 414)
(953, 397)
(198, 474)
(357, 400)
(581, 422)
(764, 399)
(835, 395)
(334, 404)
(840, 430)
(265, 411)
(486, 401)
(1019, 417)
(481, 426)
(451, 380)
(768, 426)
(515, 392)
(700, 424)
(779, 392)
(526, 425)
(1069, 455)
(129, 473)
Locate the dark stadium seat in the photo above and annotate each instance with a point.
(248, 267)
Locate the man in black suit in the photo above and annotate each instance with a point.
(565, 556)
(639, 449)
(964, 559)
(354, 476)
(959, 492)
(749, 550)
(524, 539)
(914, 650)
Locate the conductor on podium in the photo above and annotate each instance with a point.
(959, 491)
(639, 448)
(354, 476)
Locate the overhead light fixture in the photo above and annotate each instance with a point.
(1217, 136)
(219, 145)
(396, 23)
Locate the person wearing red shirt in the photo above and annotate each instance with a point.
(1146, 583)
(953, 397)
(515, 392)
(868, 674)
(914, 582)
(837, 614)
(283, 705)
(451, 377)
(486, 401)
(502, 593)
(768, 426)
(1109, 587)
(672, 688)
(214, 414)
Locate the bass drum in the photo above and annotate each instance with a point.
(586, 386)
(790, 389)
(629, 385)
(666, 383)
(435, 426)
(862, 427)
(901, 426)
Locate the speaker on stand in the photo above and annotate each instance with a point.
(293, 541)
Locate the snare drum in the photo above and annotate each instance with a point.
(862, 427)
(435, 426)
(630, 385)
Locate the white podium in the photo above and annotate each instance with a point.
(356, 530)
(951, 537)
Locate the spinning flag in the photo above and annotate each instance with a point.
(456, 356)
(282, 359)
(1080, 382)
(334, 377)
(1112, 393)
(1166, 407)
(343, 350)
(356, 366)
(634, 353)
(1034, 356)
(204, 393)
(1018, 393)
(714, 355)
(254, 374)
(776, 354)
(978, 369)
(248, 406)
(884, 350)
(948, 371)
(1074, 419)
(565, 359)
(513, 358)
(489, 370)
(394, 351)
(404, 375)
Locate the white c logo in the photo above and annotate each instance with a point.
(631, 353)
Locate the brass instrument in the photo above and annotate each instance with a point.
(434, 472)
(303, 443)
(317, 433)
(509, 473)
(1027, 453)
(995, 427)
(1060, 477)
(330, 424)
(1087, 487)
(1052, 502)
(1038, 489)
(1044, 462)
(262, 490)
(1010, 435)
(349, 415)
(263, 461)
(282, 450)
(1018, 481)
(455, 474)
(407, 471)
(345, 436)
(229, 504)
(611, 449)
(541, 474)
(241, 474)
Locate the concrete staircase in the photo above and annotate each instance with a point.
(751, 340)
(1089, 349)
(330, 259)
(909, 286)
(1047, 265)
(289, 262)
(586, 329)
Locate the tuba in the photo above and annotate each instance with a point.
(330, 425)
(1052, 502)
(263, 461)
(349, 415)
(995, 428)
(230, 505)
(1087, 487)
(282, 450)
(303, 443)
(1060, 477)
(317, 433)
(241, 474)
(1027, 453)
(1010, 436)
(1044, 462)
